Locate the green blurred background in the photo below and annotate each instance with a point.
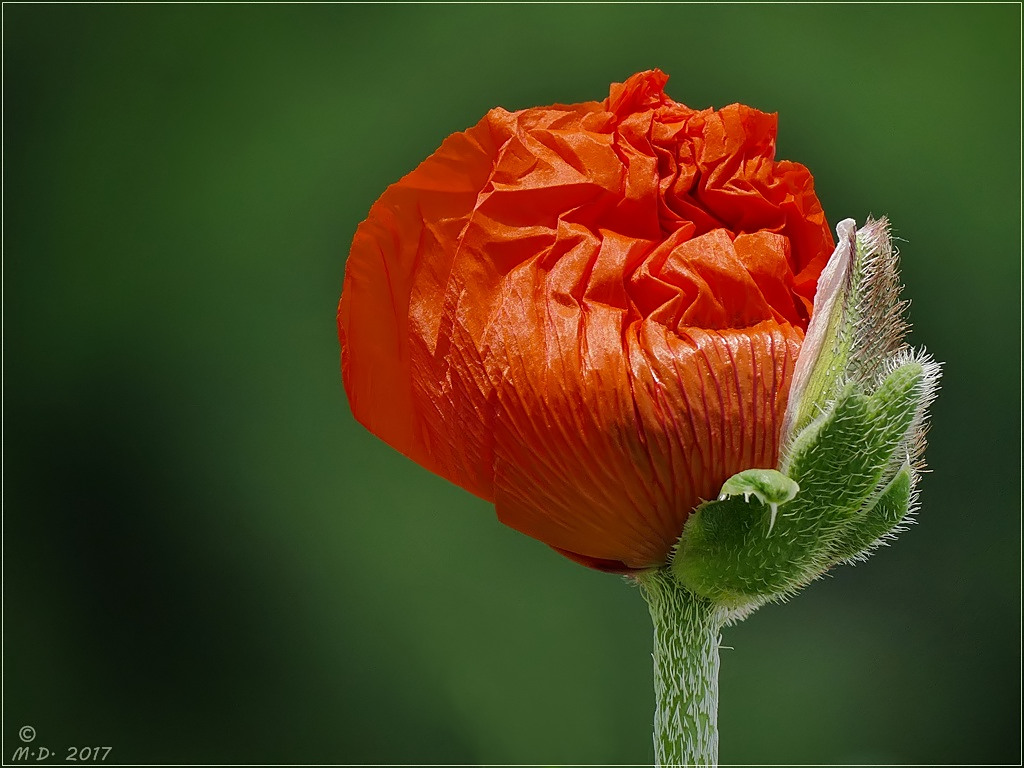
(208, 560)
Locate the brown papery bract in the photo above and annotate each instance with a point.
(588, 314)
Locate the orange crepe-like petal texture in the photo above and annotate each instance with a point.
(588, 314)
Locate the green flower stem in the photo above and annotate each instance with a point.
(686, 639)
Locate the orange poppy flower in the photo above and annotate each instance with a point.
(588, 314)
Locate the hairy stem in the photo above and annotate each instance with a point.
(686, 638)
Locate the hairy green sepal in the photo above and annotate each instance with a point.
(732, 553)
(768, 486)
(852, 437)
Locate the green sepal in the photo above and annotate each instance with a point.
(857, 326)
(730, 552)
(769, 486)
(726, 554)
(839, 459)
(880, 518)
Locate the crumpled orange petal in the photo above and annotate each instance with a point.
(588, 314)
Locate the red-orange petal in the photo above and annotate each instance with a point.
(587, 314)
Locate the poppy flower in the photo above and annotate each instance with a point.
(588, 314)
